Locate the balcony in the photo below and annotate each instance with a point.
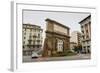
(34, 36)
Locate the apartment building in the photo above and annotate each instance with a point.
(32, 38)
(75, 39)
(86, 34)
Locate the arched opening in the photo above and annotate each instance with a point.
(60, 45)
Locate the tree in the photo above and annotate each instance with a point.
(78, 48)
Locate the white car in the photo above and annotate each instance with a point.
(34, 55)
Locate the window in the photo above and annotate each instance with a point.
(87, 36)
(24, 42)
(59, 45)
(81, 26)
(24, 37)
(86, 31)
(82, 31)
(39, 35)
(23, 47)
(38, 41)
(83, 37)
(25, 29)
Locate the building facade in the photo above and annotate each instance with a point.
(32, 38)
(75, 39)
(57, 38)
(86, 34)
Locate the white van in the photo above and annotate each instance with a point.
(34, 55)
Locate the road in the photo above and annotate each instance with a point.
(75, 57)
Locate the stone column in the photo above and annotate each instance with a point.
(66, 44)
(54, 51)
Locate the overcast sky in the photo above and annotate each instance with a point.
(69, 19)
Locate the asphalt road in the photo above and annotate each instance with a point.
(75, 57)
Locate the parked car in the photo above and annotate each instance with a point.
(34, 55)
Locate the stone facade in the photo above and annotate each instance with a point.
(57, 38)
(86, 34)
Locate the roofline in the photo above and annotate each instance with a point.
(84, 19)
(57, 23)
(31, 25)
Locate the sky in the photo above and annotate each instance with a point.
(70, 19)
